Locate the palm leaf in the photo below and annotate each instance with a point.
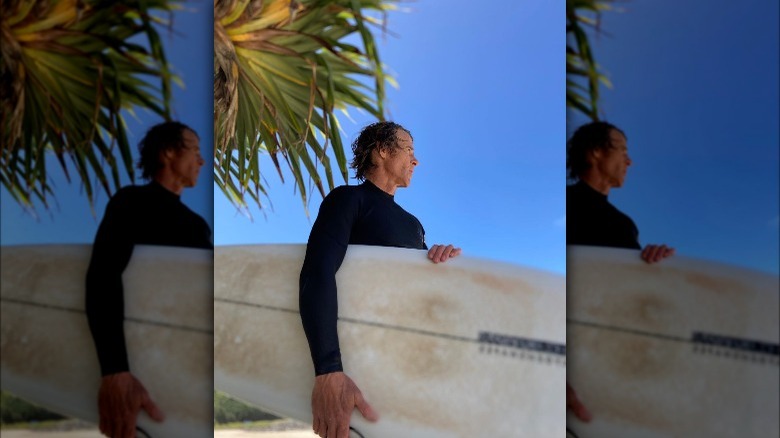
(282, 70)
(68, 70)
(583, 74)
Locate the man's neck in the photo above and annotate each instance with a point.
(169, 183)
(383, 182)
(596, 182)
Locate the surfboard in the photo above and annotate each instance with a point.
(47, 355)
(462, 349)
(680, 348)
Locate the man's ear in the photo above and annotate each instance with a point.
(594, 155)
(383, 152)
(166, 156)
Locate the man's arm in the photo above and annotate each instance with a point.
(104, 292)
(318, 301)
(121, 395)
(334, 395)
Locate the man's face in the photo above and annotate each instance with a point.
(613, 161)
(401, 161)
(185, 162)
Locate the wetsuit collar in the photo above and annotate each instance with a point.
(373, 187)
(159, 188)
(590, 190)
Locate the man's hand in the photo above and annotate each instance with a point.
(120, 398)
(656, 253)
(575, 405)
(334, 397)
(442, 253)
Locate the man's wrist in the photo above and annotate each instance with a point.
(333, 368)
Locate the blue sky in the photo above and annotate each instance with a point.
(482, 90)
(190, 50)
(695, 88)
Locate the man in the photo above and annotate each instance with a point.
(151, 214)
(598, 160)
(365, 214)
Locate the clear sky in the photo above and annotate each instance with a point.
(190, 50)
(696, 91)
(482, 90)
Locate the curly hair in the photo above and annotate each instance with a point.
(382, 135)
(158, 139)
(587, 138)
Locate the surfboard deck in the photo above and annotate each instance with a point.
(48, 356)
(461, 349)
(680, 348)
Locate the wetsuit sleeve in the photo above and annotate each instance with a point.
(104, 292)
(318, 295)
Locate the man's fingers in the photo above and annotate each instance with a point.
(660, 253)
(316, 426)
(446, 253)
(343, 430)
(439, 252)
(365, 408)
(581, 412)
(151, 408)
(435, 252)
(649, 253)
(105, 424)
(333, 428)
(653, 253)
(442, 253)
(656, 253)
(128, 427)
(574, 404)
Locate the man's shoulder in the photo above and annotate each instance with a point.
(129, 193)
(575, 188)
(345, 193)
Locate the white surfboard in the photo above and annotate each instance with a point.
(468, 348)
(47, 354)
(681, 348)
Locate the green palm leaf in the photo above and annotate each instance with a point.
(583, 74)
(282, 70)
(68, 70)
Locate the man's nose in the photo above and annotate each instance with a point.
(415, 161)
(628, 160)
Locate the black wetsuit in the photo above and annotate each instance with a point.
(135, 215)
(592, 220)
(363, 215)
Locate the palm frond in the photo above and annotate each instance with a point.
(282, 69)
(583, 74)
(69, 67)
